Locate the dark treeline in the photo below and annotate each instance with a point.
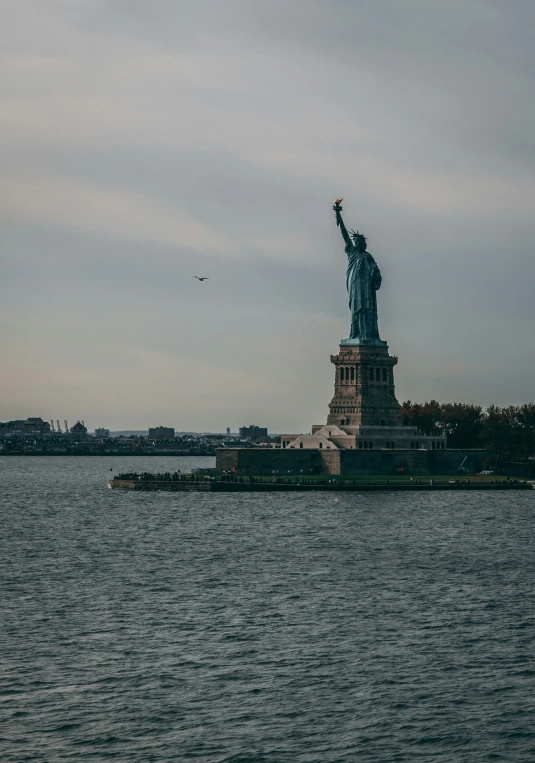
(509, 431)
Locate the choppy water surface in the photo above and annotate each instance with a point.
(169, 627)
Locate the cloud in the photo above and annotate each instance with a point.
(142, 141)
(103, 210)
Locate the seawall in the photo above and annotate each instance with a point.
(260, 461)
(220, 486)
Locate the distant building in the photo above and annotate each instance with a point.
(34, 426)
(103, 434)
(37, 425)
(252, 432)
(161, 433)
(78, 431)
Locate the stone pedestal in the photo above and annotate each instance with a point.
(364, 414)
(364, 392)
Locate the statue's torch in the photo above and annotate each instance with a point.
(337, 208)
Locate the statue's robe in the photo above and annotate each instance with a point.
(363, 278)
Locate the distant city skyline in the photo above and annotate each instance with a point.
(144, 144)
(38, 424)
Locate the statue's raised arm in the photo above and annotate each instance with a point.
(343, 230)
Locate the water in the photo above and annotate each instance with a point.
(260, 627)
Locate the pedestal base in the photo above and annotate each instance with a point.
(362, 343)
(364, 385)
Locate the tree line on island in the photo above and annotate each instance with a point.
(508, 431)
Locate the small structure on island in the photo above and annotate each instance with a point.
(364, 432)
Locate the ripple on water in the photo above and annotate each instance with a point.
(260, 627)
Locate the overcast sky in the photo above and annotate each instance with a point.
(145, 142)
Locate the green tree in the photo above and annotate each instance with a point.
(500, 431)
(425, 416)
(508, 431)
(525, 431)
(462, 423)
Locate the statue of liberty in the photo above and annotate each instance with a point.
(363, 278)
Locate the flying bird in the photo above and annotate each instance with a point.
(204, 278)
